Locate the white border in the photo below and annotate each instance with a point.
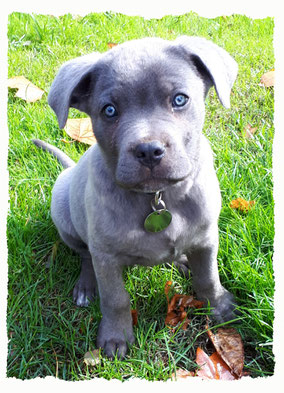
(153, 9)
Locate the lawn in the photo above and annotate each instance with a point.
(47, 334)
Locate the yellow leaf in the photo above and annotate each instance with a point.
(92, 358)
(111, 44)
(241, 204)
(26, 89)
(81, 130)
(268, 79)
(182, 374)
(249, 131)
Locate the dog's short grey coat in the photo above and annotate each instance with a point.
(99, 205)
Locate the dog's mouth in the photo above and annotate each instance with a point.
(151, 185)
(136, 176)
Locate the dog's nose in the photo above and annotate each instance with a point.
(150, 153)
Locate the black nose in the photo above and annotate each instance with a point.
(150, 153)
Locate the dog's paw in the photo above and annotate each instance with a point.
(114, 338)
(182, 265)
(84, 293)
(225, 308)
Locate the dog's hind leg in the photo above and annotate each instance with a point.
(86, 287)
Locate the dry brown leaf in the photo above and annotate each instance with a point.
(182, 374)
(268, 79)
(26, 89)
(81, 130)
(177, 308)
(92, 358)
(249, 131)
(212, 367)
(134, 315)
(241, 204)
(229, 346)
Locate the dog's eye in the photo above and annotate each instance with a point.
(109, 111)
(180, 100)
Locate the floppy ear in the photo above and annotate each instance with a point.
(209, 58)
(71, 86)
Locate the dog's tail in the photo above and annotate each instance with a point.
(62, 157)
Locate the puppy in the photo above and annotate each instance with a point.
(147, 192)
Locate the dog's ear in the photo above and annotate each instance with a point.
(214, 61)
(71, 86)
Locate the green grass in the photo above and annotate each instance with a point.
(47, 334)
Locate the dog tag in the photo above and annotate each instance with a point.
(158, 220)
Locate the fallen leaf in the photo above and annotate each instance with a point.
(212, 367)
(182, 374)
(52, 256)
(92, 358)
(207, 368)
(111, 44)
(229, 346)
(249, 131)
(26, 89)
(177, 308)
(134, 315)
(167, 288)
(268, 79)
(81, 130)
(241, 204)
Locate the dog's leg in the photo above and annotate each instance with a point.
(206, 283)
(86, 287)
(115, 330)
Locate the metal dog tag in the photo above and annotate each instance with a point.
(160, 219)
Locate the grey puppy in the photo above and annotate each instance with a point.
(146, 102)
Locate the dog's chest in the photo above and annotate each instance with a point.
(143, 248)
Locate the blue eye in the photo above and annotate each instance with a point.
(180, 100)
(109, 111)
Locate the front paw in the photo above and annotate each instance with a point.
(114, 337)
(224, 309)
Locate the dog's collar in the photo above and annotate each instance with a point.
(159, 219)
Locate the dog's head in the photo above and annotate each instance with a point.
(146, 102)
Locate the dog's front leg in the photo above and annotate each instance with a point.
(206, 282)
(115, 330)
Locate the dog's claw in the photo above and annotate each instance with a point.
(81, 299)
(85, 289)
(114, 338)
(83, 296)
(113, 348)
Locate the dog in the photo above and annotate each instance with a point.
(146, 193)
